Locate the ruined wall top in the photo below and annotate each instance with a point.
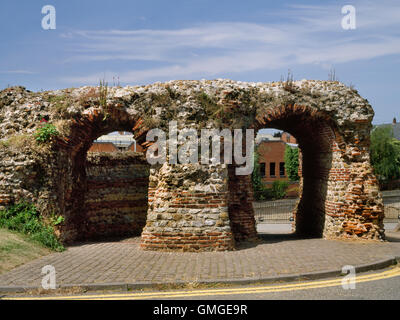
(331, 121)
(191, 101)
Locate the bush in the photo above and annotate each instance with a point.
(46, 132)
(279, 189)
(23, 217)
(263, 194)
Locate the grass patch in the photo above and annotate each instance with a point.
(17, 249)
(17, 141)
(60, 104)
(24, 218)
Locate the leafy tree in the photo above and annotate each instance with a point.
(260, 191)
(385, 153)
(258, 186)
(277, 134)
(292, 163)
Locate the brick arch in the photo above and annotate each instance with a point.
(337, 188)
(74, 147)
(316, 135)
(317, 138)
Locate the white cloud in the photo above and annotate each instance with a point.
(308, 35)
(24, 72)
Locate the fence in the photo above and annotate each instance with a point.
(391, 199)
(280, 211)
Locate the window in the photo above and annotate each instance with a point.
(262, 169)
(272, 169)
(282, 169)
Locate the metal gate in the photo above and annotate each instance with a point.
(281, 211)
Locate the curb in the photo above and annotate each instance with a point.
(377, 265)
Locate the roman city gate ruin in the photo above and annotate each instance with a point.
(189, 207)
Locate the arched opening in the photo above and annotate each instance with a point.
(104, 193)
(117, 179)
(317, 140)
(275, 181)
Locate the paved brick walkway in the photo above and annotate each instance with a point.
(124, 262)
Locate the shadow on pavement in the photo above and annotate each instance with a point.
(265, 238)
(393, 236)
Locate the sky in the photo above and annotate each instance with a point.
(131, 42)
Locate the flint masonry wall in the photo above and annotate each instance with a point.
(117, 194)
(188, 209)
(193, 207)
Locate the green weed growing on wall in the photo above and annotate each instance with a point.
(45, 132)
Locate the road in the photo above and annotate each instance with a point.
(384, 284)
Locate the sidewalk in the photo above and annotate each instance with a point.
(123, 264)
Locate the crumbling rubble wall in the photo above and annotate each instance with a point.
(194, 207)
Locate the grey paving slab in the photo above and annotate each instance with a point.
(273, 256)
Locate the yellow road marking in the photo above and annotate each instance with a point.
(228, 291)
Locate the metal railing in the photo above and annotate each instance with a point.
(391, 199)
(392, 212)
(281, 211)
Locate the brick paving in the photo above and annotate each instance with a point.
(125, 262)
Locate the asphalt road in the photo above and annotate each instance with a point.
(384, 289)
(376, 285)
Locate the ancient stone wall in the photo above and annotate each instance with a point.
(195, 206)
(188, 209)
(116, 197)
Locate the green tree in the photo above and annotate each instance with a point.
(260, 191)
(292, 163)
(257, 183)
(396, 144)
(385, 153)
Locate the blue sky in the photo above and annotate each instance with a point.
(147, 41)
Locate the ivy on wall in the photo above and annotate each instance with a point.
(292, 163)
